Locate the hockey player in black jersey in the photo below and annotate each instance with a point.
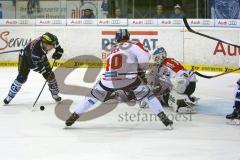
(34, 57)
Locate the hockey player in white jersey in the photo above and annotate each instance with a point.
(125, 71)
(172, 82)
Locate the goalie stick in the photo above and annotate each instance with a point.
(209, 77)
(213, 38)
(207, 36)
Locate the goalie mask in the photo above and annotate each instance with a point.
(159, 55)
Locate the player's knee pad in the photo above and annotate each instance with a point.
(101, 92)
(141, 92)
(53, 86)
(15, 88)
(21, 78)
(177, 101)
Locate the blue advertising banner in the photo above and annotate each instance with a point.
(225, 9)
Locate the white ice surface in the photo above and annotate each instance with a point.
(26, 135)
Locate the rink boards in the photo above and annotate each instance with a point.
(92, 42)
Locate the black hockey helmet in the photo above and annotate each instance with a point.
(122, 34)
(49, 38)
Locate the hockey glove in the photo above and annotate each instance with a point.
(58, 53)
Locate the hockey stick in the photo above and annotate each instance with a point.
(10, 51)
(41, 89)
(207, 36)
(209, 77)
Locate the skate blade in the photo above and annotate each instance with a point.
(234, 122)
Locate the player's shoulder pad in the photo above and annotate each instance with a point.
(138, 44)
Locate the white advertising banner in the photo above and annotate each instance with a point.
(82, 22)
(17, 22)
(51, 22)
(180, 44)
(112, 22)
(170, 22)
(201, 22)
(234, 23)
(142, 22)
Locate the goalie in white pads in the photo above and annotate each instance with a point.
(125, 69)
(173, 84)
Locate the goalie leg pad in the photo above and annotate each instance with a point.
(180, 84)
(190, 88)
(180, 102)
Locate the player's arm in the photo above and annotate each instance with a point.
(58, 50)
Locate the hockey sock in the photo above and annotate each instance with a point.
(85, 104)
(53, 87)
(15, 88)
(237, 99)
(153, 103)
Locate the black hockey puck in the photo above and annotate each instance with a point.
(42, 108)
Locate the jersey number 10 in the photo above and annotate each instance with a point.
(114, 62)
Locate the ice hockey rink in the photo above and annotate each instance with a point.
(40, 135)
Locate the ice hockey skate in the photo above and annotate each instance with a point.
(234, 117)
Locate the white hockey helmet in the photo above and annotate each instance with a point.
(159, 55)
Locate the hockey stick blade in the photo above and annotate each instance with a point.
(209, 77)
(207, 36)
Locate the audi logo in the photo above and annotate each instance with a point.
(148, 22)
(87, 21)
(23, 22)
(232, 23)
(56, 22)
(115, 21)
